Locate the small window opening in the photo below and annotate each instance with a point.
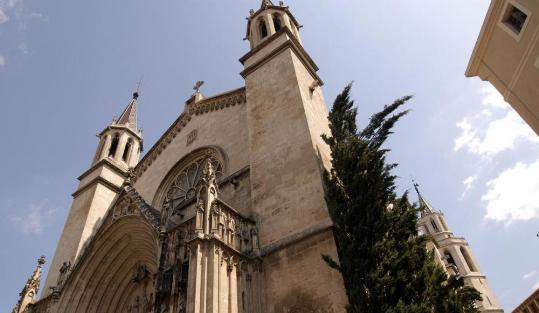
(277, 23)
(263, 29)
(127, 150)
(515, 18)
(114, 145)
(449, 258)
(468, 259)
(434, 226)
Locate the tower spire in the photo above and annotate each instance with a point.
(424, 205)
(129, 114)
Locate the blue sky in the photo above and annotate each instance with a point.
(68, 67)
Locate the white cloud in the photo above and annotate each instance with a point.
(512, 195)
(468, 184)
(7, 5)
(529, 275)
(487, 138)
(492, 98)
(35, 219)
(3, 17)
(2, 61)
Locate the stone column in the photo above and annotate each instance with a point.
(212, 287)
(459, 259)
(269, 23)
(287, 22)
(195, 279)
(223, 286)
(105, 148)
(133, 159)
(233, 292)
(120, 148)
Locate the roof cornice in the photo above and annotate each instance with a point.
(106, 162)
(291, 43)
(483, 38)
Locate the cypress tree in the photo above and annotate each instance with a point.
(383, 260)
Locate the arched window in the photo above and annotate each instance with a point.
(449, 258)
(114, 145)
(127, 149)
(468, 259)
(263, 29)
(434, 226)
(277, 22)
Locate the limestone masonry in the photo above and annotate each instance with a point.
(226, 212)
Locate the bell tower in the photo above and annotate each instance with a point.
(454, 253)
(286, 116)
(119, 148)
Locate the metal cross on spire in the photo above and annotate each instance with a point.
(425, 207)
(198, 84)
(136, 93)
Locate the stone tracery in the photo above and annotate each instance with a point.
(181, 189)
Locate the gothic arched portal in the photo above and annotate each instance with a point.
(117, 274)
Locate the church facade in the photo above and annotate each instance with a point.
(224, 214)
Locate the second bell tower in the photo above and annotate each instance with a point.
(118, 150)
(286, 116)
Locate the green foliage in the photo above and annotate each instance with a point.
(384, 262)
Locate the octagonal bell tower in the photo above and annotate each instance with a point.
(120, 144)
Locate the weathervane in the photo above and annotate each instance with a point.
(198, 84)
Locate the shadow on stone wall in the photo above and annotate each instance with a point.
(298, 301)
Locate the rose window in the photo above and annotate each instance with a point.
(182, 190)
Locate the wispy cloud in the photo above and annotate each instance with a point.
(468, 184)
(529, 275)
(5, 7)
(512, 195)
(3, 17)
(39, 17)
(2, 61)
(15, 9)
(486, 137)
(34, 219)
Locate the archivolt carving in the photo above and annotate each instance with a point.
(131, 203)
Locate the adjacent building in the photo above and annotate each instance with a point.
(530, 305)
(507, 55)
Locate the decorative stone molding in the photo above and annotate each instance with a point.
(131, 203)
(207, 105)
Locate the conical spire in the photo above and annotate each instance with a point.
(129, 115)
(424, 205)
